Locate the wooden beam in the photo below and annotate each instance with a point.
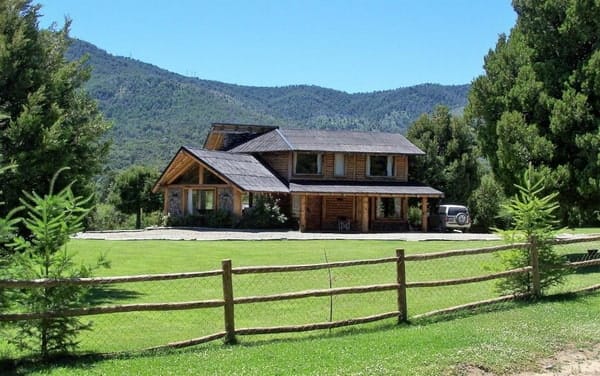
(302, 213)
(165, 201)
(364, 225)
(424, 211)
(237, 203)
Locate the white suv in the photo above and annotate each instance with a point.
(454, 217)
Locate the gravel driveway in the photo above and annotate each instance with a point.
(212, 234)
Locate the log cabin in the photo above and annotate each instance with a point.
(327, 180)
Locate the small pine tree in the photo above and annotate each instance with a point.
(533, 222)
(51, 219)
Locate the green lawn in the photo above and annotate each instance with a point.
(380, 348)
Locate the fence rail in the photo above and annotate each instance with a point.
(229, 301)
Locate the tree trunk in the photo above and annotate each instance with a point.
(138, 219)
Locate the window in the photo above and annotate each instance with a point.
(389, 207)
(380, 165)
(340, 168)
(246, 200)
(296, 206)
(200, 201)
(190, 176)
(210, 178)
(308, 163)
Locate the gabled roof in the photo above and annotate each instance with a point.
(243, 171)
(329, 141)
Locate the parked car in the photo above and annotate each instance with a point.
(452, 217)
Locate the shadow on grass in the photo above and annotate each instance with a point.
(107, 294)
(85, 362)
(592, 254)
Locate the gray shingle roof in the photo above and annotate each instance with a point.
(245, 171)
(351, 187)
(329, 141)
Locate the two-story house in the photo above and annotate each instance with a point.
(328, 180)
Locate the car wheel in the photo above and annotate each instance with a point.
(461, 219)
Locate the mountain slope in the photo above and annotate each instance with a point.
(155, 111)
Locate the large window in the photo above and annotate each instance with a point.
(389, 207)
(308, 163)
(200, 201)
(380, 165)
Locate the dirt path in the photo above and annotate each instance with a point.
(569, 362)
(581, 362)
(218, 234)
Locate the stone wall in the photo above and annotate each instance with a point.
(225, 197)
(175, 203)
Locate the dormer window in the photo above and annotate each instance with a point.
(308, 163)
(380, 165)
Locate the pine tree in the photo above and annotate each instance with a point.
(47, 121)
(539, 103)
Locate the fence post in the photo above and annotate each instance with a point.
(228, 299)
(535, 270)
(401, 280)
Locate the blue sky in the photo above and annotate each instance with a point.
(349, 45)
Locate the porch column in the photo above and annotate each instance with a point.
(303, 213)
(424, 211)
(237, 203)
(364, 221)
(165, 201)
(405, 208)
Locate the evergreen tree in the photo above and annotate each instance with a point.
(450, 162)
(51, 220)
(46, 120)
(539, 102)
(132, 192)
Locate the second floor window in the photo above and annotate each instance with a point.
(339, 165)
(308, 163)
(380, 165)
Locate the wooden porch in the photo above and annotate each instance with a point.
(356, 213)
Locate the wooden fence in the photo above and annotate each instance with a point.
(229, 301)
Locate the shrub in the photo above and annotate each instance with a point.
(414, 216)
(485, 204)
(266, 213)
(218, 219)
(106, 217)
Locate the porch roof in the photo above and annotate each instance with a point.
(363, 188)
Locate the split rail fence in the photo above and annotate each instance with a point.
(229, 302)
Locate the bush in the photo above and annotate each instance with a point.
(218, 219)
(414, 216)
(485, 205)
(266, 213)
(106, 217)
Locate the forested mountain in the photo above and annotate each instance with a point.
(155, 111)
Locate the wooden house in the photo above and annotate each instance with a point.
(328, 180)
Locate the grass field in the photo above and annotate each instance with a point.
(381, 348)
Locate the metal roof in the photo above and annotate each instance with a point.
(243, 170)
(329, 141)
(362, 187)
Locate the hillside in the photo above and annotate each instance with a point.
(155, 111)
